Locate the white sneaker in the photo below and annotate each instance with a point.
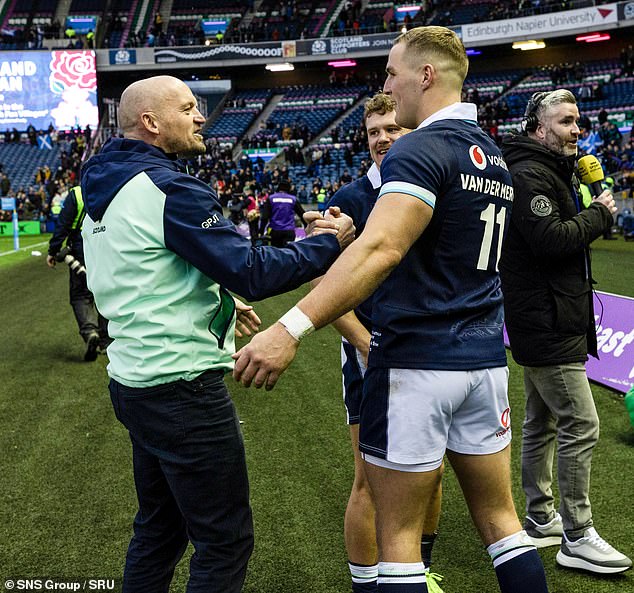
(548, 534)
(592, 553)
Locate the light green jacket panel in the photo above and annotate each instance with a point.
(160, 308)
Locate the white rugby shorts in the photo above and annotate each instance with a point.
(409, 417)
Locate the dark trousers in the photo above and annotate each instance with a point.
(191, 481)
(281, 238)
(89, 320)
(253, 230)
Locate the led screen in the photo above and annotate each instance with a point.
(211, 27)
(82, 24)
(44, 87)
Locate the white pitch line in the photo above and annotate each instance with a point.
(24, 248)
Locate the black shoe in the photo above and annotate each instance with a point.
(103, 345)
(92, 346)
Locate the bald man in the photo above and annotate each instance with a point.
(161, 260)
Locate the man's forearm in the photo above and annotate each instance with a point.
(350, 280)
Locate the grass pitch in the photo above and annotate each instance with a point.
(67, 498)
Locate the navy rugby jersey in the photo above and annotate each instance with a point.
(357, 199)
(441, 307)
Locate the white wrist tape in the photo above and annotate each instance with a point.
(297, 323)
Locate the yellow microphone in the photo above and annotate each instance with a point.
(591, 173)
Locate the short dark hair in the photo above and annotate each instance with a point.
(284, 185)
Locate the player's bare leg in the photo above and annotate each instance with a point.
(486, 484)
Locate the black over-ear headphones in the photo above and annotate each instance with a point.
(530, 121)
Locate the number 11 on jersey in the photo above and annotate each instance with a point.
(490, 219)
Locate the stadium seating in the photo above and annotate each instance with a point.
(86, 7)
(329, 173)
(316, 107)
(240, 113)
(20, 161)
(467, 12)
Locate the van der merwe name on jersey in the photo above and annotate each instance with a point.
(486, 185)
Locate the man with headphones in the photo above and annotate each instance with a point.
(547, 286)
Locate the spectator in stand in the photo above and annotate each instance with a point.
(345, 177)
(627, 61)
(5, 184)
(31, 133)
(302, 194)
(610, 134)
(253, 213)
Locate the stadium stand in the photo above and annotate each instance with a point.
(238, 115)
(316, 128)
(20, 161)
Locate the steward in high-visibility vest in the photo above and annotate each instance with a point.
(586, 198)
(321, 200)
(93, 328)
(68, 228)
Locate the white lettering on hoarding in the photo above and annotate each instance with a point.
(561, 21)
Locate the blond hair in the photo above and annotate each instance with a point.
(441, 46)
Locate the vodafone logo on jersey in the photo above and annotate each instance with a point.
(477, 157)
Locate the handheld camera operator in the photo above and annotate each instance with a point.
(161, 258)
(547, 284)
(93, 327)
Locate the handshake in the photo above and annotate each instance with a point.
(333, 222)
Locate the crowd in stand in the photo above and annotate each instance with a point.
(605, 140)
(291, 24)
(42, 199)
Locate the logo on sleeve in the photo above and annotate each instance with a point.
(541, 206)
(477, 157)
(211, 221)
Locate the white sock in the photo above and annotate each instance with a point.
(509, 547)
(401, 572)
(363, 574)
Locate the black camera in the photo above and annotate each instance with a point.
(73, 263)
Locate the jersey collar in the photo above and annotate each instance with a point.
(374, 175)
(454, 111)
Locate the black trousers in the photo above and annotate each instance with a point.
(191, 481)
(281, 238)
(89, 320)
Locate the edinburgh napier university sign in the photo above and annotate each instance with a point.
(544, 25)
(614, 319)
